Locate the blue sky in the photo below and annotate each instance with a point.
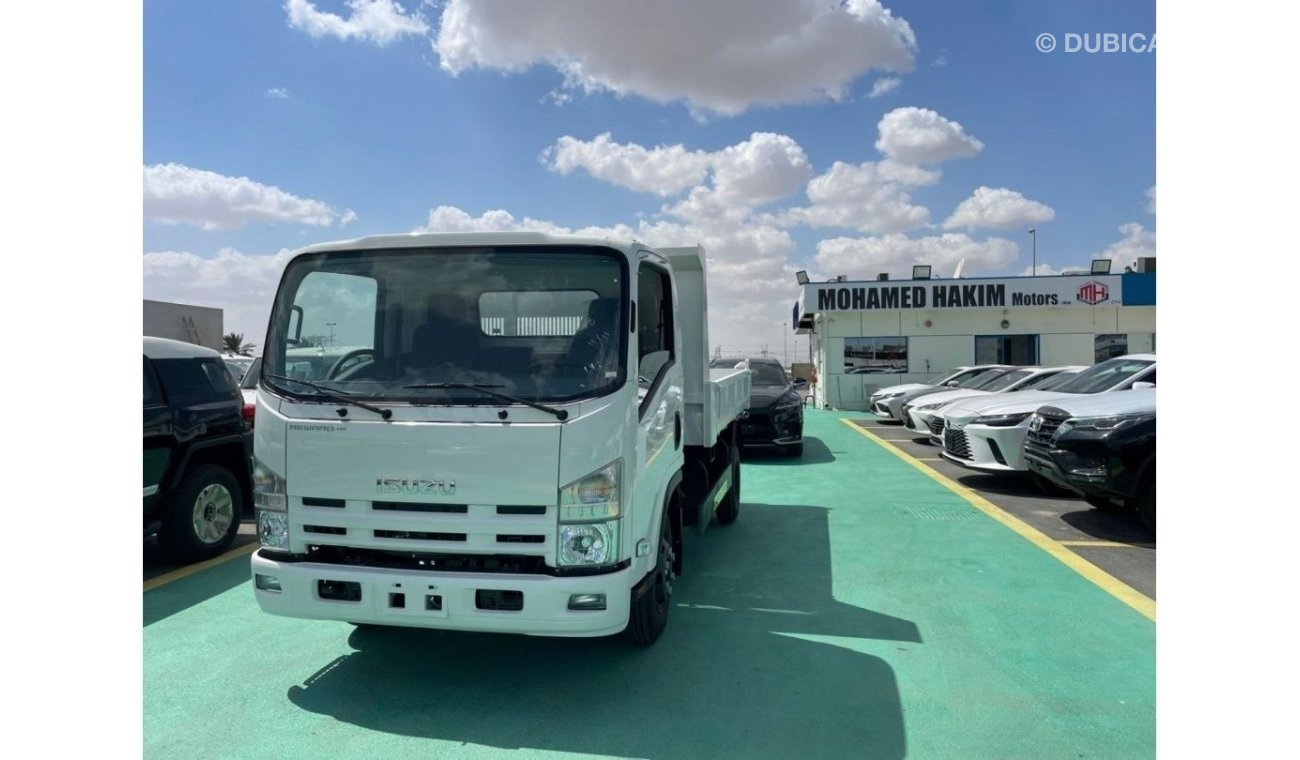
(367, 116)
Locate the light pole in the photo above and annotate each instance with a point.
(1033, 233)
(330, 325)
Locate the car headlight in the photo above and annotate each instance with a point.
(587, 535)
(787, 403)
(1111, 422)
(1003, 420)
(930, 407)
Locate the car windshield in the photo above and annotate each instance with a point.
(973, 377)
(1047, 381)
(762, 373)
(1104, 376)
(1006, 380)
(238, 365)
(543, 324)
(250, 377)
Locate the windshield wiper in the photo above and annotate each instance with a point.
(560, 414)
(334, 395)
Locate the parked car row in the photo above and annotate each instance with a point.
(1087, 430)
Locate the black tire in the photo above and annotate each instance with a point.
(1097, 502)
(649, 614)
(1146, 503)
(729, 509)
(203, 515)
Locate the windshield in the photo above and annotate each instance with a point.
(1006, 381)
(1104, 376)
(250, 377)
(762, 373)
(973, 377)
(1048, 381)
(543, 324)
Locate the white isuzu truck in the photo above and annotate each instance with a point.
(516, 436)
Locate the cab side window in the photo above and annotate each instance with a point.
(654, 325)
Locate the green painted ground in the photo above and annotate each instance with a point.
(856, 609)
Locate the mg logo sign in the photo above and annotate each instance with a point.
(1094, 293)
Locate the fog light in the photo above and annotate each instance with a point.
(586, 601)
(266, 582)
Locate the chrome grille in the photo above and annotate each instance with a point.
(955, 443)
(1044, 424)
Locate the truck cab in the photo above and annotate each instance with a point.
(515, 439)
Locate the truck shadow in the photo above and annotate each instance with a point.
(732, 676)
(814, 452)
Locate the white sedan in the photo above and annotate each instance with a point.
(887, 403)
(924, 415)
(988, 433)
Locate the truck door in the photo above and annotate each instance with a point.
(659, 382)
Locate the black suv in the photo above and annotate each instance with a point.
(1109, 459)
(775, 414)
(197, 479)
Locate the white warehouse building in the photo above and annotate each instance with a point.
(867, 335)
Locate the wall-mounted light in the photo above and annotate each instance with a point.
(921, 272)
(801, 276)
(1101, 266)
(1005, 324)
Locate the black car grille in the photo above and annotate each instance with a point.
(1041, 433)
(758, 425)
(936, 425)
(955, 443)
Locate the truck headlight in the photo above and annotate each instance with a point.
(273, 529)
(268, 488)
(592, 497)
(589, 544)
(587, 535)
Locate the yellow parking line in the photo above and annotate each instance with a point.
(175, 575)
(1105, 581)
(1108, 544)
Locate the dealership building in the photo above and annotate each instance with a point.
(872, 334)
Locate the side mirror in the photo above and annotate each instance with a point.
(951, 383)
(1142, 385)
(799, 382)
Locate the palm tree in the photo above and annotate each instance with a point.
(234, 343)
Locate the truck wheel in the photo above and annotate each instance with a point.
(649, 614)
(1146, 504)
(1098, 502)
(729, 509)
(203, 516)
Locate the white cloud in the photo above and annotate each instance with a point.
(870, 197)
(764, 168)
(864, 258)
(664, 170)
(884, 86)
(921, 136)
(1138, 242)
(1047, 270)
(241, 285)
(377, 21)
(277, 92)
(1000, 209)
(178, 194)
(1151, 200)
(722, 56)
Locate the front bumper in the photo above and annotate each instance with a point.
(1067, 469)
(986, 448)
(764, 427)
(545, 598)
